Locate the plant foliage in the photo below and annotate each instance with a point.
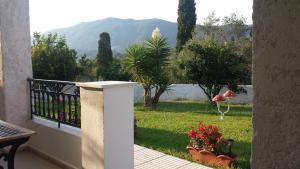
(52, 58)
(104, 55)
(186, 22)
(213, 66)
(146, 63)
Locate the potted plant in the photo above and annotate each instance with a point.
(207, 145)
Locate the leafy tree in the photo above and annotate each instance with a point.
(243, 47)
(104, 55)
(175, 74)
(211, 25)
(86, 69)
(237, 38)
(233, 31)
(116, 71)
(229, 28)
(213, 66)
(147, 64)
(237, 26)
(186, 22)
(52, 58)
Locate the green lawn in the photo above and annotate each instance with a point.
(165, 128)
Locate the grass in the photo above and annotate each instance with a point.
(165, 129)
(51, 107)
(49, 110)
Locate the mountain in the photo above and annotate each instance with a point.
(123, 32)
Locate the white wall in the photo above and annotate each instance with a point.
(191, 91)
(63, 145)
(118, 128)
(15, 61)
(107, 124)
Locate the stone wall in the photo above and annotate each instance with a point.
(276, 83)
(15, 61)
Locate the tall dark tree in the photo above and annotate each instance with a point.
(186, 22)
(104, 55)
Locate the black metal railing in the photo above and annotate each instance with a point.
(57, 101)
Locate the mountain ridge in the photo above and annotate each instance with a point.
(84, 36)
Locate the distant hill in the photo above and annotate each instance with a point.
(123, 32)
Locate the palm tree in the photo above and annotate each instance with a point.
(147, 64)
(158, 50)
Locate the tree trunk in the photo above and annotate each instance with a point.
(156, 97)
(207, 92)
(147, 98)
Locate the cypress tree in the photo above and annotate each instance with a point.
(104, 54)
(186, 22)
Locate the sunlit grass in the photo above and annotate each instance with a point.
(165, 128)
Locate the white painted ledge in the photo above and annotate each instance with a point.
(62, 145)
(104, 84)
(54, 125)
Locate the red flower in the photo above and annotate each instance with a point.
(192, 134)
(202, 129)
(206, 136)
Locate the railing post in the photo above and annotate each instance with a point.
(58, 104)
(30, 94)
(107, 125)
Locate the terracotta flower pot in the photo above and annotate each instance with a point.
(211, 158)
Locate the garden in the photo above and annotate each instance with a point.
(166, 128)
(214, 55)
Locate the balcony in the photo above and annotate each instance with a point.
(28, 160)
(144, 158)
(275, 78)
(55, 116)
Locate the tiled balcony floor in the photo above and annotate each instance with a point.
(144, 158)
(28, 160)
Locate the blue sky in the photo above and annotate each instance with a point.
(50, 14)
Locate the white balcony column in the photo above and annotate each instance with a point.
(276, 84)
(15, 61)
(107, 125)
